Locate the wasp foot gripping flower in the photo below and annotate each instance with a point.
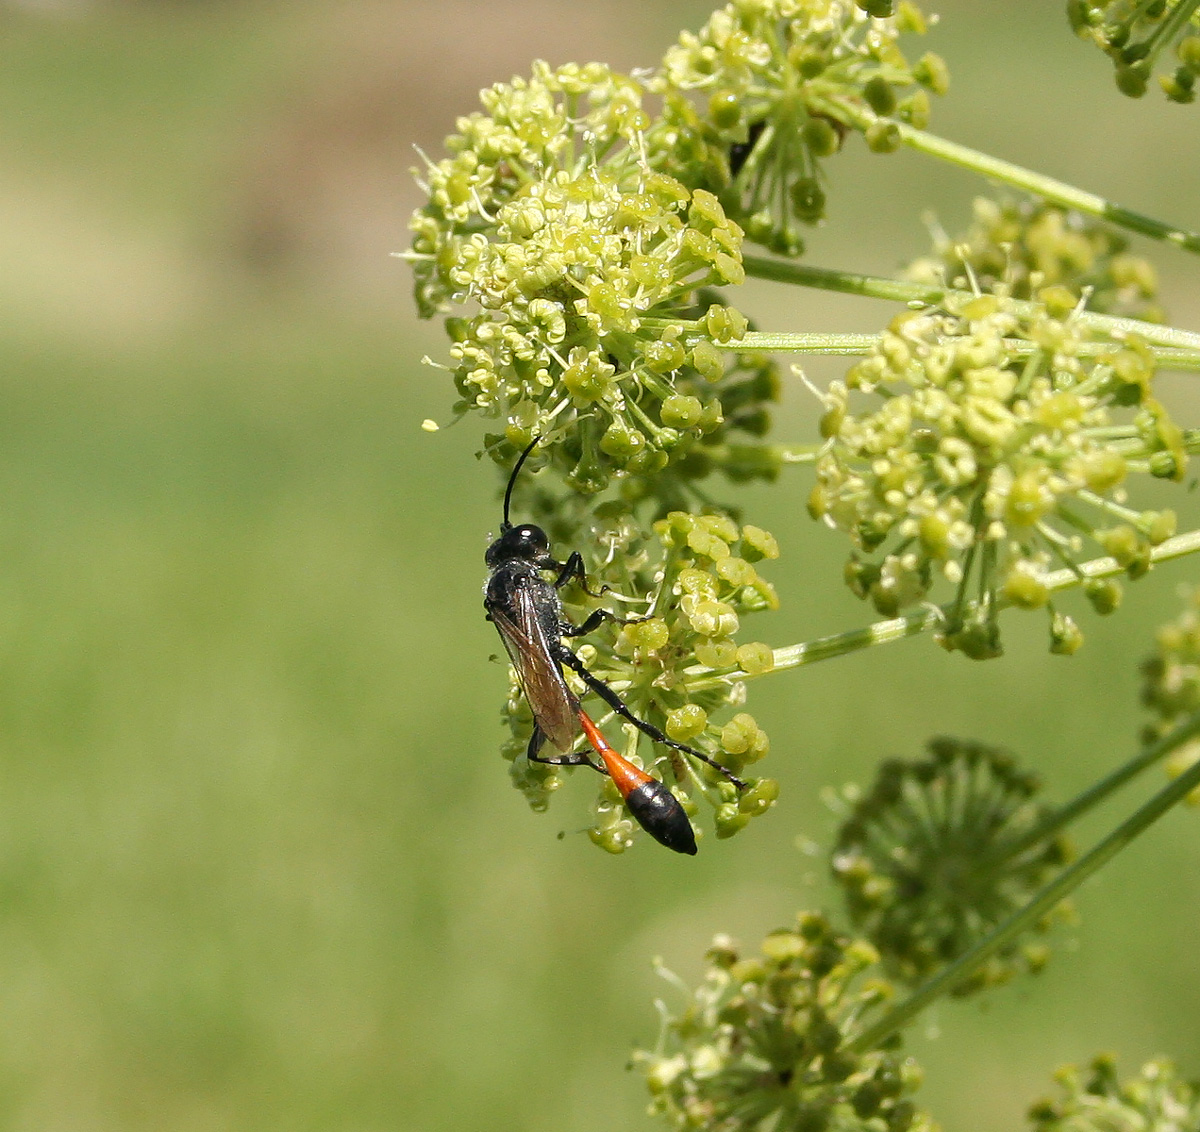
(584, 267)
(994, 454)
(1156, 1100)
(1171, 685)
(757, 100)
(1136, 33)
(701, 577)
(1034, 249)
(938, 852)
(762, 1042)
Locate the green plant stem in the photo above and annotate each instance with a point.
(1050, 896)
(996, 169)
(806, 342)
(903, 291)
(913, 624)
(1164, 35)
(860, 345)
(1095, 794)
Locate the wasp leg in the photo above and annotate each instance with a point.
(567, 657)
(571, 570)
(594, 621)
(578, 759)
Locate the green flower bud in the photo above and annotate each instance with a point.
(1188, 51)
(931, 72)
(915, 109)
(710, 618)
(680, 411)
(1027, 500)
(725, 324)
(934, 533)
(1066, 637)
(880, 96)
(1132, 80)
(725, 109)
(728, 819)
(686, 722)
(719, 653)
(758, 544)
(708, 361)
(820, 137)
(664, 356)
(621, 442)
(755, 659)
(1160, 526)
(692, 580)
(743, 738)
(736, 571)
(722, 526)
(1123, 542)
(883, 137)
(1025, 587)
(612, 840)
(808, 200)
(651, 634)
(1104, 594)
(1103, 469)
(588, 377)
(1058, 300)
(759, 798)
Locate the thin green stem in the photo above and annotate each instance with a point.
(903, 291)
(1058, 192)
(1049, 897)
(805, 342)
(1095, 794)
(844, 282)
(861, 345)
(1164, 35)
(928, 617)
(727, 454)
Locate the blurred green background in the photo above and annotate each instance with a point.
(260, 864)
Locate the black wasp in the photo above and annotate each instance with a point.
(526, 610)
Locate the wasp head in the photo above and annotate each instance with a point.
(525, 541)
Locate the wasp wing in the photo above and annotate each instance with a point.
(555, 707)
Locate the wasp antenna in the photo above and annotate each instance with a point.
(512, 479)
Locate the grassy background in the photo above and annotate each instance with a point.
(260, 867)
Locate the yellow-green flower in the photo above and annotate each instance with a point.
(994, 449)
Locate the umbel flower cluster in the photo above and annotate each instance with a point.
(574, 237)
(1136, 34)
(588, 270)
(939, 852)
(1156, 1100)
(766, 91)
(762, 1042)
(998, 452)
(701, 572)
(1028, 246)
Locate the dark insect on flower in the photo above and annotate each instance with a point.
(527, 612)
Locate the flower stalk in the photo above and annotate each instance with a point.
(908, 291)
(1062, 886)
(926, 618)
(1026, 180)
